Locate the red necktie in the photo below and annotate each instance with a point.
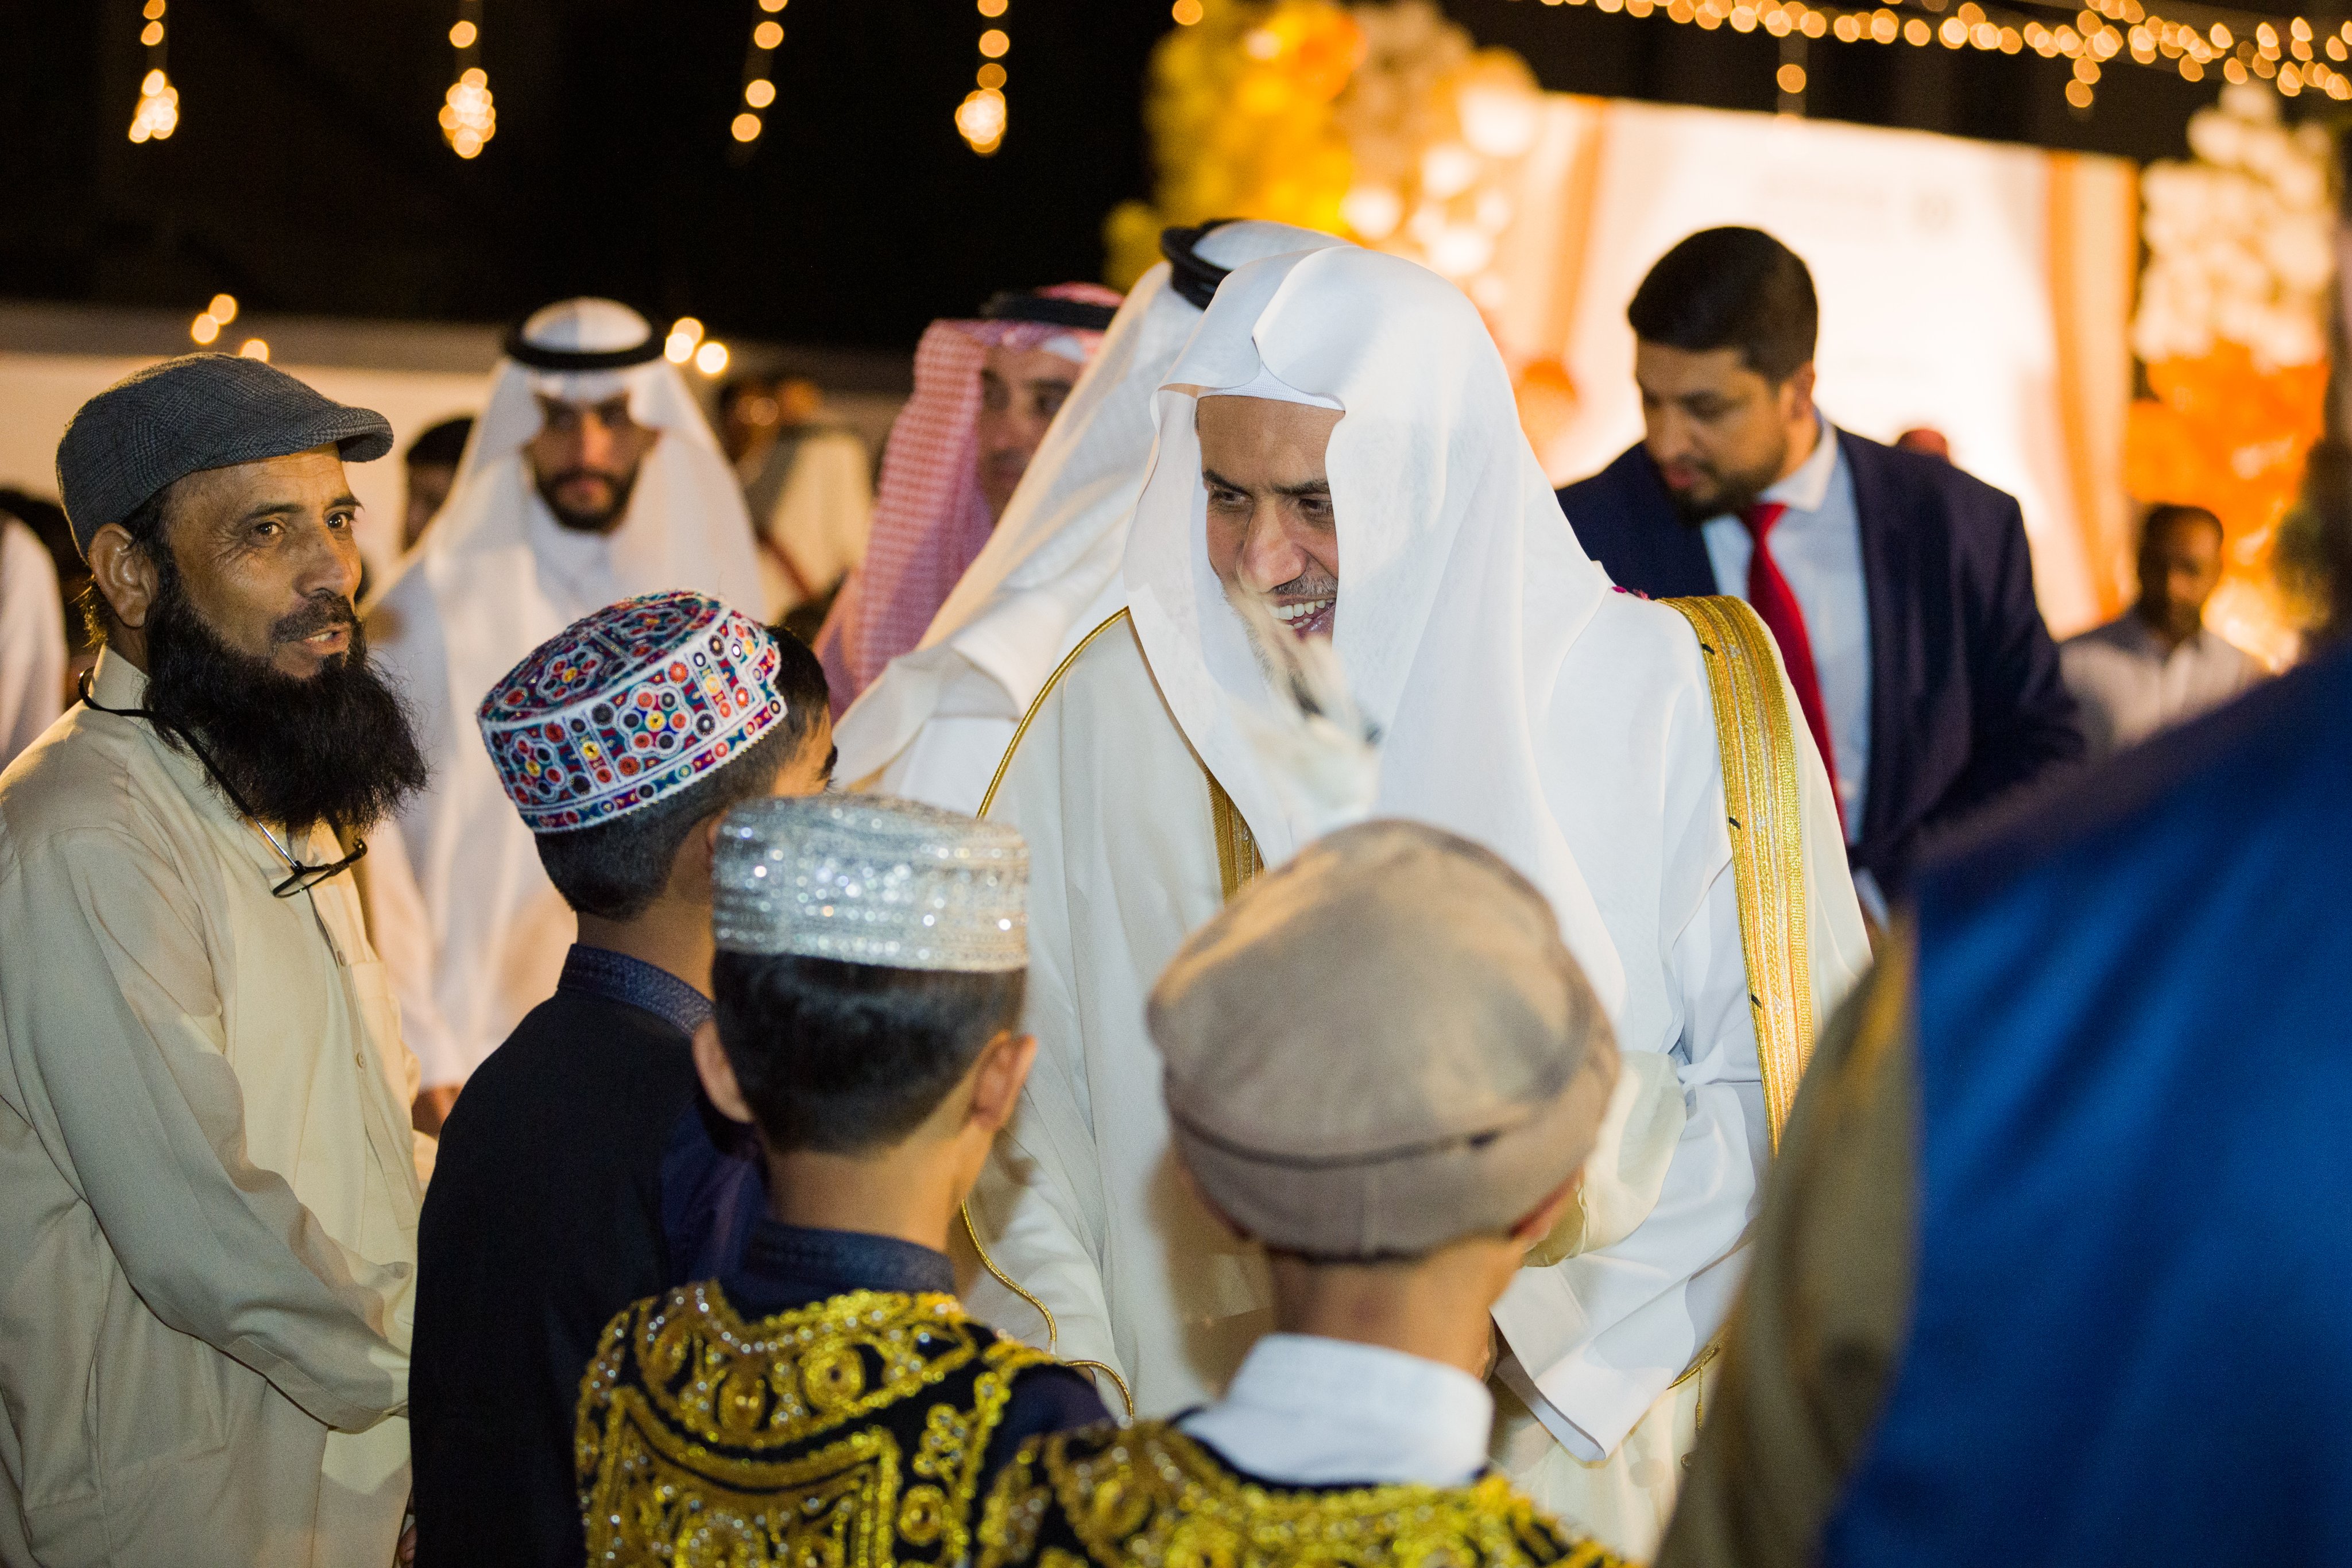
(1775, 603)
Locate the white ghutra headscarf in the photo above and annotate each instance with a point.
(475, 934)
(1049, 574)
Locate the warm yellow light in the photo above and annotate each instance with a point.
(991, 75)
(759, 92)
(152, 34)
(746, 127)
(980, 120)
(711, 358)
(203, 329)
(463, 34)
(1791, 78)
(255, 348)
(1188, 12)
(768, 35)
(993, 43)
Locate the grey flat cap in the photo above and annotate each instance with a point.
(1380, 1048)
(185, 415)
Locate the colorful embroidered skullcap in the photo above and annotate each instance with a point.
(868, 879)
(627, 706)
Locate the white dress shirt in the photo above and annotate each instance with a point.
(2130, 685)
(1817, 544)
(1306, 1411)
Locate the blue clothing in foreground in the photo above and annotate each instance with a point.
(2131, 1338)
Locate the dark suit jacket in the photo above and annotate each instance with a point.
(1966, 703)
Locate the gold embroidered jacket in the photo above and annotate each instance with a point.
(849, 1433)
(1108, 1498)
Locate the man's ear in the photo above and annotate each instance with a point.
(1536, 1223)
(718, 1075)
(997, 1077)
(124, 573)
(1800, 386)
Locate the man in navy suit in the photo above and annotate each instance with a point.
(1899, 587)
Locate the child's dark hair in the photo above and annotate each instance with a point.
(841, 1058)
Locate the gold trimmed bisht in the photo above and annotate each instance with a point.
(1763, 795)
(1108, 1498)
(849, 1433)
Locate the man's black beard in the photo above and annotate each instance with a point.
(1731, 497)
(336, 748)
(602, 521)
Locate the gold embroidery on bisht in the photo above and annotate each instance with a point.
(1107, 1498)
(847, 1434)
(1763, 794)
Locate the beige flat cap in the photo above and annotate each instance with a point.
(1381, 1047)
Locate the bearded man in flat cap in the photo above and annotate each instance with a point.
(208, 1187)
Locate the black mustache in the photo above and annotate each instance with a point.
(323, 614)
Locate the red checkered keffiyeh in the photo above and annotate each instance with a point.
(931, 519)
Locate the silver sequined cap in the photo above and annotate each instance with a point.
(873, 880)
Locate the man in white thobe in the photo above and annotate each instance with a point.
(936, 724)
(591, 477)
(1520, 703)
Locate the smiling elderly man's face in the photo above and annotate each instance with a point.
(1271, 528)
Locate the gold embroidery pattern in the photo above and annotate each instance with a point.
(1150, 1495)
(1763, 797)
(703, 1438)
(1237, 857)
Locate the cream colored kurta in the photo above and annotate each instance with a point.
(208, 1185)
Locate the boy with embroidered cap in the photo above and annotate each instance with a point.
(582, 1168)
(826, 1399)
(1381, 1063)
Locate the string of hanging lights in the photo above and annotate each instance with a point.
(469, 116)
(980, 120)
(759, 82)
(2289, 53)
(158, 111)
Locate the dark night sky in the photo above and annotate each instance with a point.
(308, 174)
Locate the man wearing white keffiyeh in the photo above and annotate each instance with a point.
(591, 477)
(1520, 703)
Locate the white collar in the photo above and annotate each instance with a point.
(1806, 488)
(1309, 1411)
